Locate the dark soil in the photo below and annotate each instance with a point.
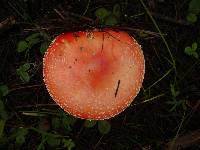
(142, 126)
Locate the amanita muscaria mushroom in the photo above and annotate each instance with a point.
(94, 74)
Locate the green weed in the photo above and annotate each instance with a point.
(32, 40)
(108, 17)
(192, 51)
(25, 46)
(90, 123)
(174, 103)
(3, 90)
(193, 11)
(22, 72)
(4, 115)
(104, 126)
(53, 140)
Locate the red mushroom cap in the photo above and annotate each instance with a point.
(94, 74)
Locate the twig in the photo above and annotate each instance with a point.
(116, 91)
(61, 16)
(141, 30)
(194, 109)
(186, 140)
(173, 142)
(7, 23)
(20, 14)
(78, 16)
(169, 19)
(86, 8)
(150, 99)
(163, 38)
(98, 142)
(159, 79)
(25, 87)
(37, 105)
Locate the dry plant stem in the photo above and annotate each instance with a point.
(86, 8)
(78, 16)
(42, 28)
(158, 80)
(158, 29)
(46, 133)
(20, 14)
(151, 99)
(169, 19)
(7, 23)
(190, 69)
(186, 140)
(172, 144)
(194, 109)
(97, 144)
(140, 30)
(25, 87)
(61, 16)
(36, 105)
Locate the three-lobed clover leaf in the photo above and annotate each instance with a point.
(104, 126)
(192, 50)
(193, 11)
(22, 72)
(107, 17)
